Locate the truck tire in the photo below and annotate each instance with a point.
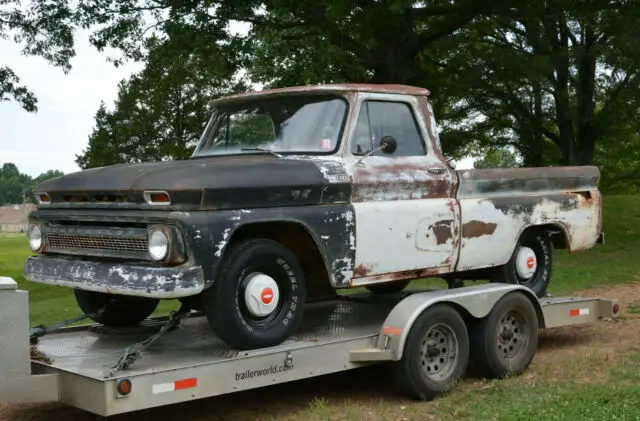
(388, 287)
(435, 355)
(115, 310)
(530, 264)
(258, 298)
(505, 341)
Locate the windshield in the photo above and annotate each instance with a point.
(286, 124)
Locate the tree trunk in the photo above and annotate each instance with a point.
(585, 97)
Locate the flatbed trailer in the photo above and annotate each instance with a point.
(417, 331)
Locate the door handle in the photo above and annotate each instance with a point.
(437, 170)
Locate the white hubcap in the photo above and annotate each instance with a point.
(261, 295)
(526, 263)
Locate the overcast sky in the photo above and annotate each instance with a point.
(50, 138)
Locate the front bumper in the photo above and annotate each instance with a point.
(116, 278)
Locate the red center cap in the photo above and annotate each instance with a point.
(267, 295)
(530, 262)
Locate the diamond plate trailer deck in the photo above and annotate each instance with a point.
(189, 363)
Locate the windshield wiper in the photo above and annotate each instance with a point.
(262, 150)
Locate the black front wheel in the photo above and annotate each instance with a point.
(258, 298)
(115, 310)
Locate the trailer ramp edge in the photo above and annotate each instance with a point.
(18, 384)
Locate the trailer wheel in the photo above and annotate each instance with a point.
(531, 262)
(115, 310)
(505, 341)
(436, 354)
(258, 298)
(388, 287)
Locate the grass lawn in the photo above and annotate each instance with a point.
(589, 379)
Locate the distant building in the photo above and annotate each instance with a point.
(13, 218)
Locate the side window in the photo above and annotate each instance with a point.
(378, 119)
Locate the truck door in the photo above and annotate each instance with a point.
(405, 211)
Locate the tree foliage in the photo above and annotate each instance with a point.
(497, 158)
(552, 79)
(161, 111)
(44, 28)
(14, 185)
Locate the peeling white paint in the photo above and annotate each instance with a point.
(580, 223)
(223, 243)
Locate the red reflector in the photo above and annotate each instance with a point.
(616, 308)
(186, 383)
(575, 312)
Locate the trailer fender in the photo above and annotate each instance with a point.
(477, 301)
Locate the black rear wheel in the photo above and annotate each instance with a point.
(258, 298)
(115, 310)
(505, 341)
(530, 264)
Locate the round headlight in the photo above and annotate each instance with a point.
(35, 238)
(158, 245)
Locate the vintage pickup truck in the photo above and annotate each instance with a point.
(291, 193)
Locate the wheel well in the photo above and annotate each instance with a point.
(557, 234)
(296, 238)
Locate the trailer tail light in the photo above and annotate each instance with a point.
(124, 387)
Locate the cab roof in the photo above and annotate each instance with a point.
(328, 88)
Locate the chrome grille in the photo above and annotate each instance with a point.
(93, 242)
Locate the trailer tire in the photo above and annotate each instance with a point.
(388, 287)
(115, 310)
(236, 305)
(440, 331)
(538, 243)
(504, 342)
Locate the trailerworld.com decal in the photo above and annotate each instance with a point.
(274, 369)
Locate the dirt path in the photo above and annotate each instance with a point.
(601, 341)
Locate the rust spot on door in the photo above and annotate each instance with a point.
(442, 231)
(362, 270)
(474, 229)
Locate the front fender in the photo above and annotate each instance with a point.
(332, 227)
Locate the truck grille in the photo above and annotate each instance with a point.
(98, 241)
(71, 241)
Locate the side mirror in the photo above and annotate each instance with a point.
(388, 144)
(451, 162)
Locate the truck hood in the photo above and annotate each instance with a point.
(211, 182)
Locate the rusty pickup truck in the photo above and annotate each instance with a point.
(294, 193)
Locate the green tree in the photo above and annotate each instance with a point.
(14, 185)
(497, 158)
(161, 111)
(44, 28)
(550, 85)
